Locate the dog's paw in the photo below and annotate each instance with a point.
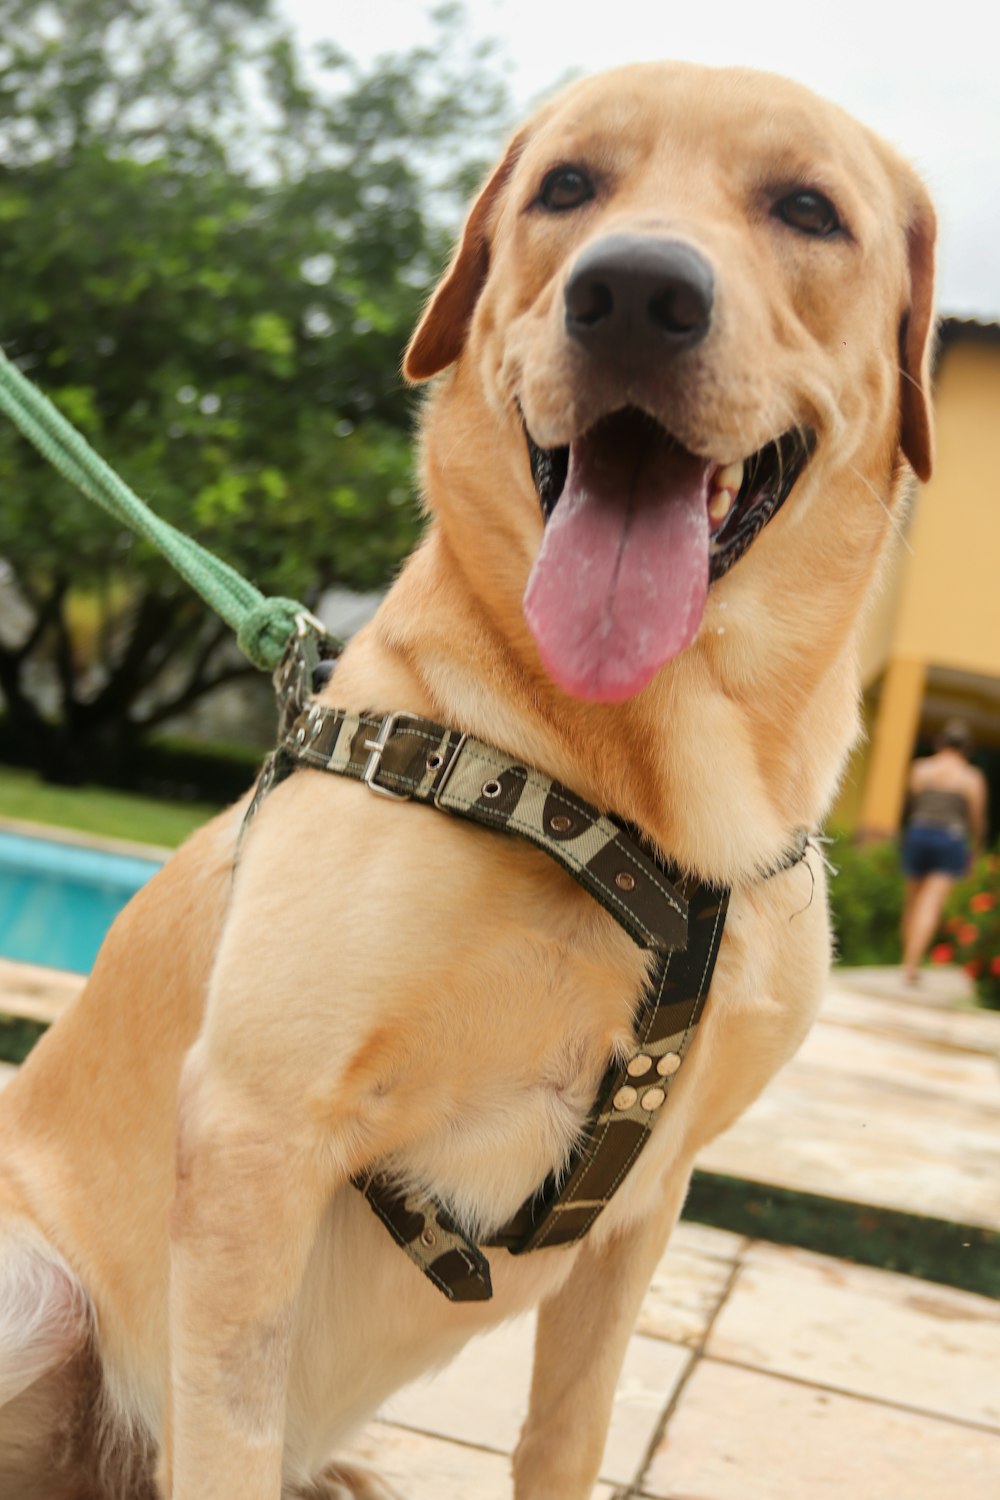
(344, 1480)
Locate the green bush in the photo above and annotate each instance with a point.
(971, 934)
(866, 900)
(866, 904)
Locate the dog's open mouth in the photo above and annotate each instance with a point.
(637, 527)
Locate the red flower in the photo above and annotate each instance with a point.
(982, 901)
(942, 954)
(967, 934)
(973, 968)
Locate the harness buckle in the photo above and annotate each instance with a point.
(385, 732)
(446, 776)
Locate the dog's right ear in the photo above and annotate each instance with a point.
(440, 335)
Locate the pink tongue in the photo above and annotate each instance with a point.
(619, 584)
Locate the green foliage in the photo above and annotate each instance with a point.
(212, 265)
(866, 906)
(17, 1037)
(92, 809)
(972, 928)
(866, 901)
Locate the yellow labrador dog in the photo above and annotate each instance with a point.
(682, 352)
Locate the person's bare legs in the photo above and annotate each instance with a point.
(921, 918)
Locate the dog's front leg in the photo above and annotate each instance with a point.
(582, 1335)
(251, 1186)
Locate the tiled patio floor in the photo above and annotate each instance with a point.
(756, 1373)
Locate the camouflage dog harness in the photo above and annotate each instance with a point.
(676, 917)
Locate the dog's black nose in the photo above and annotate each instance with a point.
(634, 295)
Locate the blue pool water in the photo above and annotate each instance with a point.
(58, 900)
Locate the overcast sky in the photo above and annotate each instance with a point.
(926, 77)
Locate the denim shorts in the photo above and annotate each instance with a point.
(933, 851)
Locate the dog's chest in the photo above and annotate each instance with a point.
(523, 1045)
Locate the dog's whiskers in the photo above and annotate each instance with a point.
(465, 438)
(896, 523)
(913, 381)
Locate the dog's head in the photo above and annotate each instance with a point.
(699, 297)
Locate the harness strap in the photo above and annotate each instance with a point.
(413, 759)
(633, 1091)
(674, 916)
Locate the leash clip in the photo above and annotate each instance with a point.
(377, 746)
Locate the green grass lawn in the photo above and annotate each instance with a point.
(92, 809)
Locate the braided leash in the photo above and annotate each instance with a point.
(262, 625)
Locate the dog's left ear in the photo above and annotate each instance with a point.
(440, 335)
(916, 341)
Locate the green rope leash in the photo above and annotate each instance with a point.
(263, 625)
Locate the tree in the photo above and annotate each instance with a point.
(211, 264)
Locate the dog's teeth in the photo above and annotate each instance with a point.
(725, 487)
(730, 478)
(720, 505)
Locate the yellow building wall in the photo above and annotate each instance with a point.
(846, 812)
(949, 596)
(939, 605)
(878, 632)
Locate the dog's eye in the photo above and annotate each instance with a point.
(809, 212)
(564, 188)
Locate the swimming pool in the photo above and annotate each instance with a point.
(58, 900)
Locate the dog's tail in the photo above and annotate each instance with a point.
(45, 1317)
(46, 1325)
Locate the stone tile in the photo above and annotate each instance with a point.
(482, 1396)
(887, 1014)
(84, 840)
(689, 1284)
(649, 1380)
(942, 985)
(895, 1123)
(428, 1468)
(867, 1332)
(742, 1435)
(34, 992)
(912, 1063)
(702, 1239)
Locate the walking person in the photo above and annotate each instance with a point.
(945, 825)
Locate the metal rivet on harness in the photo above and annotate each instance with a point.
(639, 1065)
(624, 881)
(625, 1098)
(668, 1064)
(491, 789)
(428, 1238)
(434, 761)
(560, 823)
(652, 1099)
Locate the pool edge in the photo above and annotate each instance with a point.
(56, 833)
